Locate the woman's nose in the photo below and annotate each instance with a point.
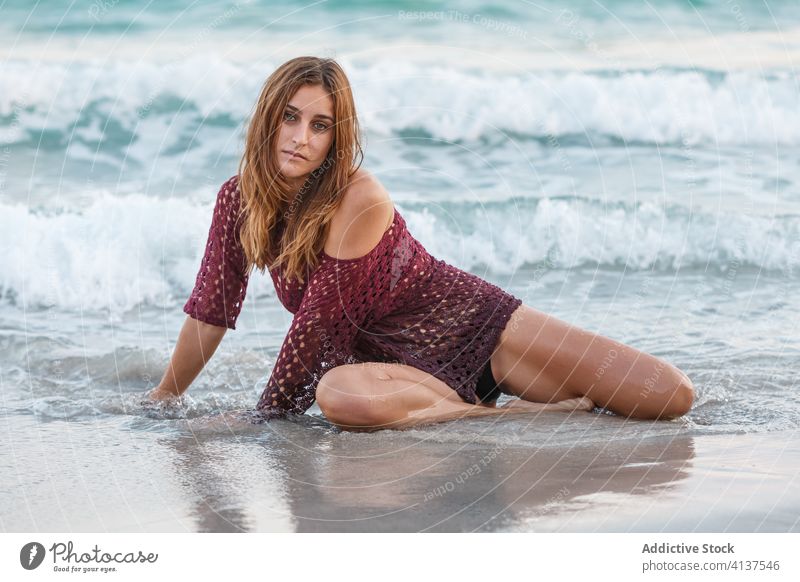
(300, 136)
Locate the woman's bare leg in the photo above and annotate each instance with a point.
(540, 358)
(373, 396)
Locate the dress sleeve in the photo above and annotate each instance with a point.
(335, 306)
(221, 282)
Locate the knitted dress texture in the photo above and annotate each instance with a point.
(397, 304)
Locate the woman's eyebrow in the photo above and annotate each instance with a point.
(296, 110)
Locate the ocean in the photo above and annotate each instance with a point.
(632, 168)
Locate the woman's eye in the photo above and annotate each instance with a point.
(320, 126)
(288, 116)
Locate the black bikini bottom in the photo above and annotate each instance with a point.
(487, 389)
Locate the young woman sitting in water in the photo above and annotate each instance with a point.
(384, 335)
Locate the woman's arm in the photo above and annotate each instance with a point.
(197, 342)
(215, 301)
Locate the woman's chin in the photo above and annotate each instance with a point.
(293, 176)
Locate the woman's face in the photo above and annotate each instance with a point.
(306, 131)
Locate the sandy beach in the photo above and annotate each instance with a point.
(305, 476)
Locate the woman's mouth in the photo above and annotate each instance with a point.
(295, 155)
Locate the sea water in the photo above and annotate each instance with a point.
(632, 169)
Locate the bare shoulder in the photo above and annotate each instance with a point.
(365, 213)
(365, 192)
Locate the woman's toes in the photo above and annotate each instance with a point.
(582, 403)
(572, 404)
(520, 404)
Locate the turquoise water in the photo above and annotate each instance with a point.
(109, 16)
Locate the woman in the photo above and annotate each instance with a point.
(384, 335)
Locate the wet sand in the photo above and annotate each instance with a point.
(726, 483)
(306, 476)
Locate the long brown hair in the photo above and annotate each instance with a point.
(280, 228)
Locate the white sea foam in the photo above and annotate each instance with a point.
(116, 104)
(122, 251)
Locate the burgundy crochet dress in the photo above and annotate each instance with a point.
(395, 304)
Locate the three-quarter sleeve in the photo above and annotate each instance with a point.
(336, 304)
(221, 282)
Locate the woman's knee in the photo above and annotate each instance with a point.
(682, 396)
(344, 397)
(674, 394)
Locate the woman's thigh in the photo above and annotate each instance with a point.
(544, 359)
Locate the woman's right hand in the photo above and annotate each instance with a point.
(158, 394)
(197, 342)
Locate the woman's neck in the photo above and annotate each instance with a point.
(296, 185)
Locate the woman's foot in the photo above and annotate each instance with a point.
(582, 403)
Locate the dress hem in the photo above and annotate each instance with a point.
(494, 328)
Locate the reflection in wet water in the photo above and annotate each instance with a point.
(316, 478)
